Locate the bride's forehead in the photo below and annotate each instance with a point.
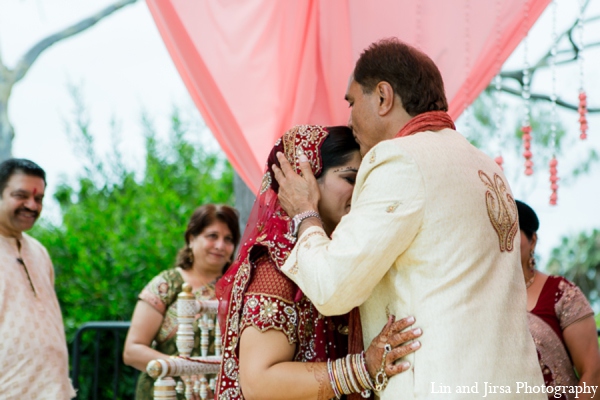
(346, 168)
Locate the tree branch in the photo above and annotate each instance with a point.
(29, 58)
(544, 60)
(567, 55)
(539, 96)
(517, 74)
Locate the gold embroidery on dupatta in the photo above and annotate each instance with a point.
(266, 182)
(302, 139)
(501, 209)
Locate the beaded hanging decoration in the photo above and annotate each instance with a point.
(583, 124)
(553, 117)
(468, 113)
(526, 94)
(498, 87)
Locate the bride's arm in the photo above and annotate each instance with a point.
(268, 372)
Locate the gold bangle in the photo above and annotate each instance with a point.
(358, 359)
(336, 375)
(352, 374)
(364, 375)
(343, 376)
(336, 391)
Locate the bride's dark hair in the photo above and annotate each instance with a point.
(338, 147)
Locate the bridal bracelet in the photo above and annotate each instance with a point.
(381, 379)
(350, 375)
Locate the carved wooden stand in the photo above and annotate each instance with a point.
(191, 370)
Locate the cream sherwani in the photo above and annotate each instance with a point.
(433, 233)
(34, 362)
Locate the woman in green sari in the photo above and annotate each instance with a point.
(211, 238)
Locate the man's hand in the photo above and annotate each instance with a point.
(296, 193)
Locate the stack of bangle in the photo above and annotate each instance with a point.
(350, 375)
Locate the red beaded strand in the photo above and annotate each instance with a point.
(527, 146)
(499, 160)
(553, 181)
(553, 117)
(583, 125)
(526, 95)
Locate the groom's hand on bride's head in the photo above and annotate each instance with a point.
(297, 193)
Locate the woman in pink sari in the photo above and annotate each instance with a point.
(561, 322)
(276, 345)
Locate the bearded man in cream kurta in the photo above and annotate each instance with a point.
(432, 233)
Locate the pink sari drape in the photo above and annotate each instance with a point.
(256, 68)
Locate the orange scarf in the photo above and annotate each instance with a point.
(428, 121)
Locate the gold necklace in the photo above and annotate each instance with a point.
(530, 281)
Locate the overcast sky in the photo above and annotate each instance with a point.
(123, 68)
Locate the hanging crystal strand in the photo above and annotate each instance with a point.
(498, 87)
(469, 123)
(526, 94)
(553, 117)
(583, 125)
(419, 25)
(497, 119)
(468, 112)
(526, 128)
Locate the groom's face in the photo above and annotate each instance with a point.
(364, 118)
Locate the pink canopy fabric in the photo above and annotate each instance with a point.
(254, 68)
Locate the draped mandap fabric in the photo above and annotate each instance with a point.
(254, 68)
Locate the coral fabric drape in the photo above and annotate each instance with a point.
(255, 68)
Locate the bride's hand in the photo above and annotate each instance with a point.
(396, 334)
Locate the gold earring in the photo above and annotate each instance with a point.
(531, 263)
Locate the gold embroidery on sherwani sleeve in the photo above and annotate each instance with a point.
(372, 158)
(294, 269)
(501, 209)
(304, 242)
(392, 207)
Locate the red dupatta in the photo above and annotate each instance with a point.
(268, 223)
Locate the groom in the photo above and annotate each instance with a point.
(433, 233)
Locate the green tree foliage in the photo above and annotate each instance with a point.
(578, 259)
(120, 227)
(118, 231)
